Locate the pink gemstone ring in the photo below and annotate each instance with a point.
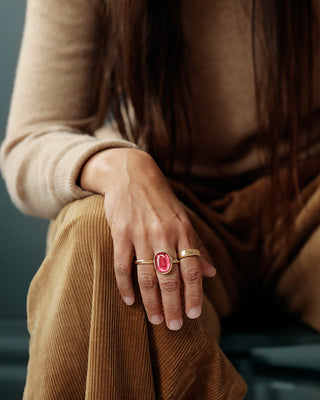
(163, 262)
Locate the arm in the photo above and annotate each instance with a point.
(54, 109)
(49, 146)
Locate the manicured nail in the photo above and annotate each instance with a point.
(194, 312)
(128, 300)
(156, 319)
(175, 324)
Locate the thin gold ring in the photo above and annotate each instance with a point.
(143, 262)
(188, 253)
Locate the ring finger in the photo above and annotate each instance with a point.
(170, 290)
(150, 281)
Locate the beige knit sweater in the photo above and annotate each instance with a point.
(52, 126)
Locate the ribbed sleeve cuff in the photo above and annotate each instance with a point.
(69, 166)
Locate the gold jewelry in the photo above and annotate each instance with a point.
(162, 261)
(142, 262)
(188, 253)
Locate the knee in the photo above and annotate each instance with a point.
(78, 245)
(84, 222)
(79, 241)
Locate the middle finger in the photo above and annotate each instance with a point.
(170, 292)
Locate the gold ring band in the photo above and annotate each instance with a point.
(188, 253)
(143, 262)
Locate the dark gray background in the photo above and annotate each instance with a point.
(22, 238)
(22, 246)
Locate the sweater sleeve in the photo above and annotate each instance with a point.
(53, 113)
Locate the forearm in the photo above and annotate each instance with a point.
(54, 109)
(41, 170)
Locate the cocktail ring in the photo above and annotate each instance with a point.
(162, 261)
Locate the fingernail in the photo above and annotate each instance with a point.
(175, 324)
(156, 319)
(128, 300)
(194, 312)
(212, 271)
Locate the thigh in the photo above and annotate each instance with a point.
(86, 343)
(291, 278)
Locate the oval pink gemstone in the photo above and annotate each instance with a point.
(162, 262)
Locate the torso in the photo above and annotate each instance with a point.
(219, 35)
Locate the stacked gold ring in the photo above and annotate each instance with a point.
(162, 261)
(188, 253)
(143, 262)
(181, 254)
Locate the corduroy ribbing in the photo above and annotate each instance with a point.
(87, 344)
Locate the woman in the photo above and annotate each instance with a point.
(212, 156)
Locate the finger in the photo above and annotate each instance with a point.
(149, 288)
(191, 274)
(207, 267)
(170, 294)
(123, 256)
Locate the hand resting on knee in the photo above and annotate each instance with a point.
(145, 217)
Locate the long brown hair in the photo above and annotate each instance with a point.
(147, 69)
(284, 89)
(147, 73)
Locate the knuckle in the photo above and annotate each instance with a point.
(169, 285)
(192, 274)
(120, 230)
(125, 291)
(121, 269)
(152, 307)
(173, 310)
(186, 225)
(195, 297)
(159, 229)
(147, 281)
(186, 230)
(140, 234)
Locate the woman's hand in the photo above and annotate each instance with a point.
(145, 216)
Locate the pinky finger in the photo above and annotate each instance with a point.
(207, 268)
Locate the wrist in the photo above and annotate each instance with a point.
(101, 169)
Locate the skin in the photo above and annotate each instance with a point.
(145, 216)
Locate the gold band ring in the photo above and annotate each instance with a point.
(188, 253)
(143, 262)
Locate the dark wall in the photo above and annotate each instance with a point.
(22, 238)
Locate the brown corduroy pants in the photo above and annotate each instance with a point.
(87, 344)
